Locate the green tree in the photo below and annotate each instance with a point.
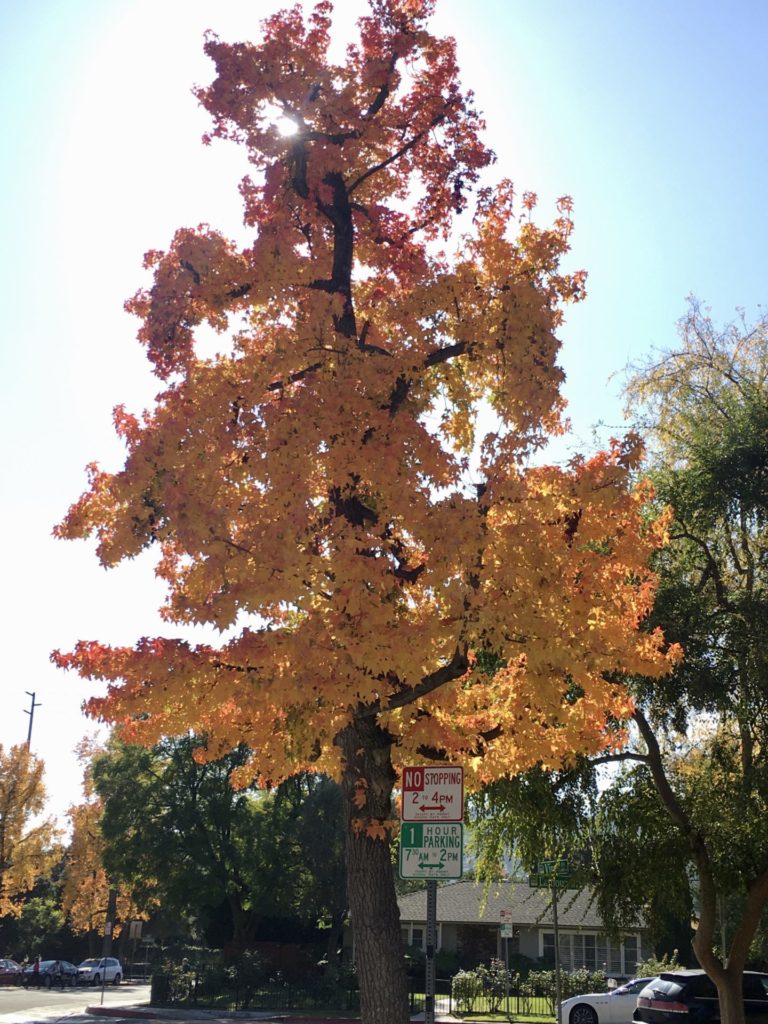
(40, 926)
(178, 834)
(683, 827)
(704, 405)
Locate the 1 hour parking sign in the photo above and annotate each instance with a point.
(433, 794)
(431, 851)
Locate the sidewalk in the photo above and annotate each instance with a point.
(162, 1015)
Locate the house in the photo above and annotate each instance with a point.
(469, 924)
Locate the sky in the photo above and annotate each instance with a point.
(649, 113)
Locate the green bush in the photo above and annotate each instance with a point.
(543, 983)
(496, 981)
(652, 966)
(466, 986)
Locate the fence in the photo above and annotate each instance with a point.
(216, 989)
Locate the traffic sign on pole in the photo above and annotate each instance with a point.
(433, 794)
(430, 850)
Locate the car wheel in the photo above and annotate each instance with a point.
(583, 1014)
(48, 982)
(117, 979)
(97, 979)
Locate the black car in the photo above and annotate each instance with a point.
(50, 973)
(690, 997)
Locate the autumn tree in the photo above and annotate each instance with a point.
(320, 490)
(28, 846)
(85, 885)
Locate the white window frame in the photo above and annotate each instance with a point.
(615, 960)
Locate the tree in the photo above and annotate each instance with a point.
(178, 836)
(311, 489)
(682, 829)
(706, 404)
(85, 885)
(27, 846)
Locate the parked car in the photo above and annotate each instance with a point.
(52, 972)
(10, 972)
(690, 997)
(614, 1007)
(94, 970)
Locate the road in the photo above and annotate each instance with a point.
(20, 1005)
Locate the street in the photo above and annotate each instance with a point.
(24, 1005)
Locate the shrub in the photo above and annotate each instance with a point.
(652, 966)
(466, 986)
(543, 983)
(496, 982)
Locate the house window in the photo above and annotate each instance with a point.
(631, 959)
(585, 951)
(417, 936)
(595, 952)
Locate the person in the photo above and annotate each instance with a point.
(58, 973)
(36, 971)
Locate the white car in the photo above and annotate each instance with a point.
(95, 971)
(614, 1007)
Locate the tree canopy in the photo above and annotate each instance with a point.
(28, 846)
(175, 834)
(682, 829)
(320, 491)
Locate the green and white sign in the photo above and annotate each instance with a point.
(431, 850)
(551, 874)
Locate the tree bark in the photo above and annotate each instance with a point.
(730, 994)
(368, 774)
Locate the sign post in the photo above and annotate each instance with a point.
(432, 844)
(553, 875)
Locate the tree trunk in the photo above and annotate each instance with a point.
(368, 775)
(731, 996)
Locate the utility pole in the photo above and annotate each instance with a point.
(31, 713)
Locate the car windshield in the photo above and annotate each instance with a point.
(89, 963)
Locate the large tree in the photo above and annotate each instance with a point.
(682, 829)
(705, 406)
(311, 489)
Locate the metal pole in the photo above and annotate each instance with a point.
(429, 1002)
(558, 987)
(106, 946)
(31, 713)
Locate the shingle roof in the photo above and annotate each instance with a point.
(462, 902)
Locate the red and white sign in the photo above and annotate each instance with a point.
(433, 794)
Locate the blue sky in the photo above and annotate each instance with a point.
(650, 114)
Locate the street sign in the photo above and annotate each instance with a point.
(431, 851)
(550, 867)
(550, 874)
(506, 921)
(547, 882)
(433, 794)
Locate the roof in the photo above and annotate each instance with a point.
(465, 902)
